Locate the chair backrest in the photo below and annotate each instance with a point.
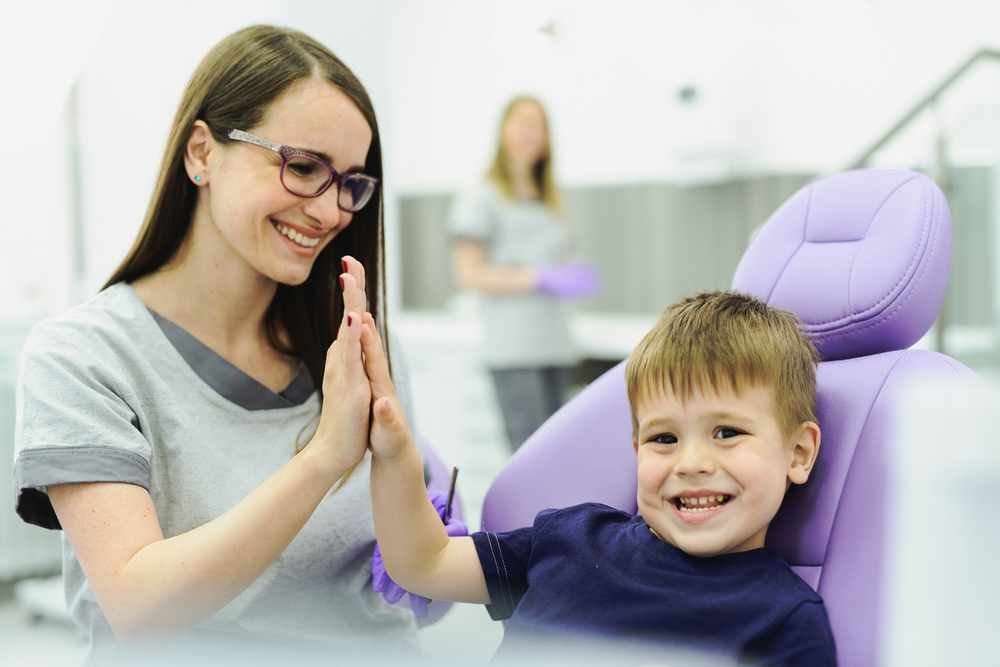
(862, 258)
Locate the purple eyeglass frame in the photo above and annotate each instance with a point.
(287, 153)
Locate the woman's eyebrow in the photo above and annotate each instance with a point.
(320, 154)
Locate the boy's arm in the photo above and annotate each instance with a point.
(417, 552)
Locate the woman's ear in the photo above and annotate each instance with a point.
(196, 155)
(804, 450)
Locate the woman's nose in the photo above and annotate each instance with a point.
(324, 209)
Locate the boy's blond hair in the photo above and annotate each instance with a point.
(727, 341)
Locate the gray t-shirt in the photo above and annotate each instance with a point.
(520, 330)
(109, 394)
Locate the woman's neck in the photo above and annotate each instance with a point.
(522, 181)
(208, 302)
(222, 302)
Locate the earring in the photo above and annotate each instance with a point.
(197, 177)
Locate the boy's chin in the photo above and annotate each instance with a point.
(705, 546)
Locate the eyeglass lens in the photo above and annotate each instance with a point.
(306, 177)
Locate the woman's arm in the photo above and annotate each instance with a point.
(473, 271)
(417, 552)
(153, 589)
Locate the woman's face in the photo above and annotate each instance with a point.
(258, 222)
(524, 134)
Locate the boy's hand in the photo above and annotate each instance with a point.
(390, 434)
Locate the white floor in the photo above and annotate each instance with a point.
(456, 413)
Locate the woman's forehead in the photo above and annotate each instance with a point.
(318, 117)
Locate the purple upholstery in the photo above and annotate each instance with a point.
(583, 453)
(862, 258)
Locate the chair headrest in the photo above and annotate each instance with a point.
(861, 257)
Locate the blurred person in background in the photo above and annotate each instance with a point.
(511, 242)
(184, 427)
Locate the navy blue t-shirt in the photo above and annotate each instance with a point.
(595, 569)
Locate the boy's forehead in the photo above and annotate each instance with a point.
(659, 398)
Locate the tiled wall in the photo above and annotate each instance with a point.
(657, 242)
(653, 242)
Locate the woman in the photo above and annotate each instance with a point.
(181, 427)
(511, 243)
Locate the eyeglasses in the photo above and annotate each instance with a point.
(306, 175)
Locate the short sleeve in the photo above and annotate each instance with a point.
(73, 423)
(803, 640)
(472, 215)
(504, 558)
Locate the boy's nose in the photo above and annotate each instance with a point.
(693, 459)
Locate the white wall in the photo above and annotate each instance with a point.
(784, 85)
(132, 70)
(39, 63)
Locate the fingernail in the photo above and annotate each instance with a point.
(343, 263)
(342, 287)
(350, 319)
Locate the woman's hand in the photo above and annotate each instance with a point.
(343, 427)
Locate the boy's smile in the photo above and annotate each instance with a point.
(713, 470)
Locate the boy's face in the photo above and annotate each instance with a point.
(713, 471)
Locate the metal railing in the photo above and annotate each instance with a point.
(929, 100)
(940, 166)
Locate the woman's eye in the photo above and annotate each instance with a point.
(302, 168)
(726, 432)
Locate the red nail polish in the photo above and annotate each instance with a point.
(342, 287)
(350, 320)
(343, 263)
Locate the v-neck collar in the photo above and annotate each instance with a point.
(229, 381)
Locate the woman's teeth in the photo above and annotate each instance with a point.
(303, 241)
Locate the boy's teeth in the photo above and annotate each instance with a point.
(702, 503)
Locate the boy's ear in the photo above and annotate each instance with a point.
(196, 154)
(804, 450)
(635, 445)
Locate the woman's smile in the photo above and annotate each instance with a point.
(295, 236)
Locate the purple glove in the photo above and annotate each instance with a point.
(387, 587)
(573, 280)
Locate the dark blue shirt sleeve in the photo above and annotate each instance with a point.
(804, 640)
(504, 559)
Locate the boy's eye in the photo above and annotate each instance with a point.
(664, 439)
(725, 432)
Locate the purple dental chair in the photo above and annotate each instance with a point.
(862, 258)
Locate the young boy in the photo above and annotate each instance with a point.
(722, 393)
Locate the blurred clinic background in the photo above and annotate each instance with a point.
(677, 129)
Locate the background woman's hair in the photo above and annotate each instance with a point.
(233, 87)
(541, 171)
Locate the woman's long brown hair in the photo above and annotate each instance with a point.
(233, 87)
